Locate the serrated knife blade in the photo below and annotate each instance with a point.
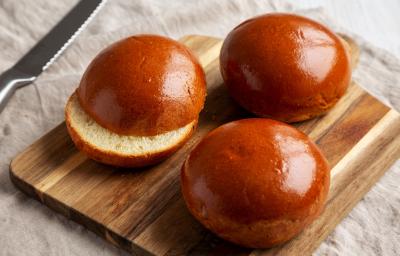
(43, 54)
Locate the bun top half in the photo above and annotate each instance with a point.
(143, 85)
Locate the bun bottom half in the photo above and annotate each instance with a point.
(107, 147)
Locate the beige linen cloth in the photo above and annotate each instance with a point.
(29, 228)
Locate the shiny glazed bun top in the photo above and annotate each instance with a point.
(143, 85)
(285, 66)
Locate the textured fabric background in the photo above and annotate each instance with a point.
(29, 228)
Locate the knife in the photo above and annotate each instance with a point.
(43, 54)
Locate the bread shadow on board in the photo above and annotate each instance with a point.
(178, 233)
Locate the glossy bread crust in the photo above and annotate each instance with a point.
(255, 182)
(285, 66)
(143, 85)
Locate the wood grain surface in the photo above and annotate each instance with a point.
(142, 210)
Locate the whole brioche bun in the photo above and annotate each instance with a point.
(137, 102)
(285, 66)
(255, 182)
(143, 85)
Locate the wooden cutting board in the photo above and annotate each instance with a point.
(142, 210)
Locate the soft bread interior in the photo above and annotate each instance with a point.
(105, 140)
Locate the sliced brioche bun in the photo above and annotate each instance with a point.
(107, 147)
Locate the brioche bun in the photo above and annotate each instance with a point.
(138, 101)
(255, 182)
(285, 66)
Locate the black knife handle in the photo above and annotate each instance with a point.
(9, 82)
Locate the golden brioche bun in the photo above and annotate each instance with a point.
(285, 66)
(255, 182)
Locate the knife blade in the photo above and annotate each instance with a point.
(44, 53)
